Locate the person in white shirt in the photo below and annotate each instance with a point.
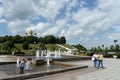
(22, 66)
(95, 59)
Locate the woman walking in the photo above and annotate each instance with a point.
(95, 60)
(100, 60)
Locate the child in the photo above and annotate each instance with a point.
(22, 66)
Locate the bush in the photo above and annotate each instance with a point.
(89, 54)
(118, 55)
(111, 55)
(5, 53)
(25, 45)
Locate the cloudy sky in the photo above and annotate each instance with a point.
(88, 22)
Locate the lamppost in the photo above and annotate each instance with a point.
(103, 48)
(115, 41)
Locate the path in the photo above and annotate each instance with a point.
(111, 72)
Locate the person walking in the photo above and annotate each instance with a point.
(95, 60)
(100, 60)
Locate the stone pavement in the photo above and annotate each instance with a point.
(111, 72)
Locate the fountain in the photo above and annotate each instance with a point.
(37, 53)
(55, 53)
(59, 53)
(42, 53)
(43, 65)
(28, 65)
(48, 59)
(18, 62)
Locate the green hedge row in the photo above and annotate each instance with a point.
(105, 55)
(111, 55)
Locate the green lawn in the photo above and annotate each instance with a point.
(32, 47)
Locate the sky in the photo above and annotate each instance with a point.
(90, 23)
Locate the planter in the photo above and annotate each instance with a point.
(114, 56)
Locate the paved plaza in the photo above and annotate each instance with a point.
(111, 72)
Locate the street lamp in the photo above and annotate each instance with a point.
(115, 41)
(103, 48)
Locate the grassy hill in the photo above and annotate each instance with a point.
(32, 47)
(51, 47)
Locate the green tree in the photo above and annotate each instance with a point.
(31, 39)
(42, 46)
(112, 48)
(117, 48)
(106, 50)
(1, 39)
(50, 39)
(18, 39)
(99, 49)
(94, 49)
(62, 40)
(41, 40)
(25, 45)
(8, 45)
(80, 47)
(7, 38)
(57, 40)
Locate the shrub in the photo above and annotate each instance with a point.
(25, 45)
(89, 54)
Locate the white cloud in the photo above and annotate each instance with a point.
(80, 25)
(18, 9)
(41, 28)
(1, 11)
(48, 9)
(16, 27)
(96, 38)
(3, 21)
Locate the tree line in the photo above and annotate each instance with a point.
(111, 48)
(7, 42)
(49, 39)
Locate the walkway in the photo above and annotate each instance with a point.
(111, 72)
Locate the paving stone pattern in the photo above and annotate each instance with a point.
(110, 72)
